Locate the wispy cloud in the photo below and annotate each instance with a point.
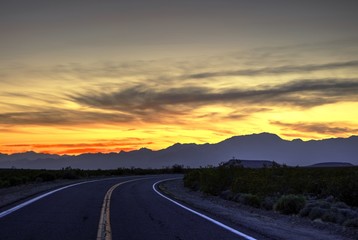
(61, 117)
(334, 129)
(275, 70)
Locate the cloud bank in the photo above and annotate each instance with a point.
(140, 100)
(145, 103)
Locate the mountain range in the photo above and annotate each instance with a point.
(264, 147)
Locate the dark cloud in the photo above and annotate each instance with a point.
(61, 117)
(144, 101)
(321, 128)
(275, 70)
(244, 113)
(42, 97)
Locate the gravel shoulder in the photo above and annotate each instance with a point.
(267, 224)
(13, 195)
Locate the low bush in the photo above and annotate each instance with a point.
(308, 208)
(250, 199)
(290, 204)
(4, 183)
(323, 204)
(330, 212)
(191, 180)
(268, 203)
(15, 181)
(236, 197)
(333, 184)
(332, 216)
(351, 223)
(316, 212)
(227, 195)
(340, 205)
(47, 176)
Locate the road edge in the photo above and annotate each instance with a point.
(216, 222)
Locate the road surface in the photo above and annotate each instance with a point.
(136, 211)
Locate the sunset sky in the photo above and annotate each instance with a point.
(105, 76)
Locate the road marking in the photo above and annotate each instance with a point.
(238, 233)
(24, 204)
(104, 226)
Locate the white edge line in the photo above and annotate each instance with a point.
(11, 210)
(200, 214)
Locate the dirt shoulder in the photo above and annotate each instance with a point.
(267, 224)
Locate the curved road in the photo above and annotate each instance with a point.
(136, 212)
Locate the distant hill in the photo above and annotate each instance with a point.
(332, 164)
(256, 146)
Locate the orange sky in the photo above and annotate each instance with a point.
(107, 78)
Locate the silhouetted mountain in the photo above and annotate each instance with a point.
(30, 155)
(256, 146)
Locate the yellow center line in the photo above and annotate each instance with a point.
(104, 226)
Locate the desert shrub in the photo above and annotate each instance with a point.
(4, 183)
(236, 197)
(340, 205)
(334, 184)
(268, 203)
(214, 181)
(329, 199)
(47, 176)
(351, 223)
(15, 181)
(348, 213)
(323, 204)
(290, 204)
(176, 168)
(211, 183)
(307, 208)
(191, 180)
(332, 216)
(316, 212)
(250, 199)
(227, 195)
(305, 211)
(347, 189)
(70, 175)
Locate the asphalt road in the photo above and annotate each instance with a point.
(136, 212)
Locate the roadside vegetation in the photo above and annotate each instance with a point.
(14, 177)
(321, 194)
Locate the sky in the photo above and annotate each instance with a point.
(119, 75)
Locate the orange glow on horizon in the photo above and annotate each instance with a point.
(110, 106)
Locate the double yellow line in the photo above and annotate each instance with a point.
(104, 227)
